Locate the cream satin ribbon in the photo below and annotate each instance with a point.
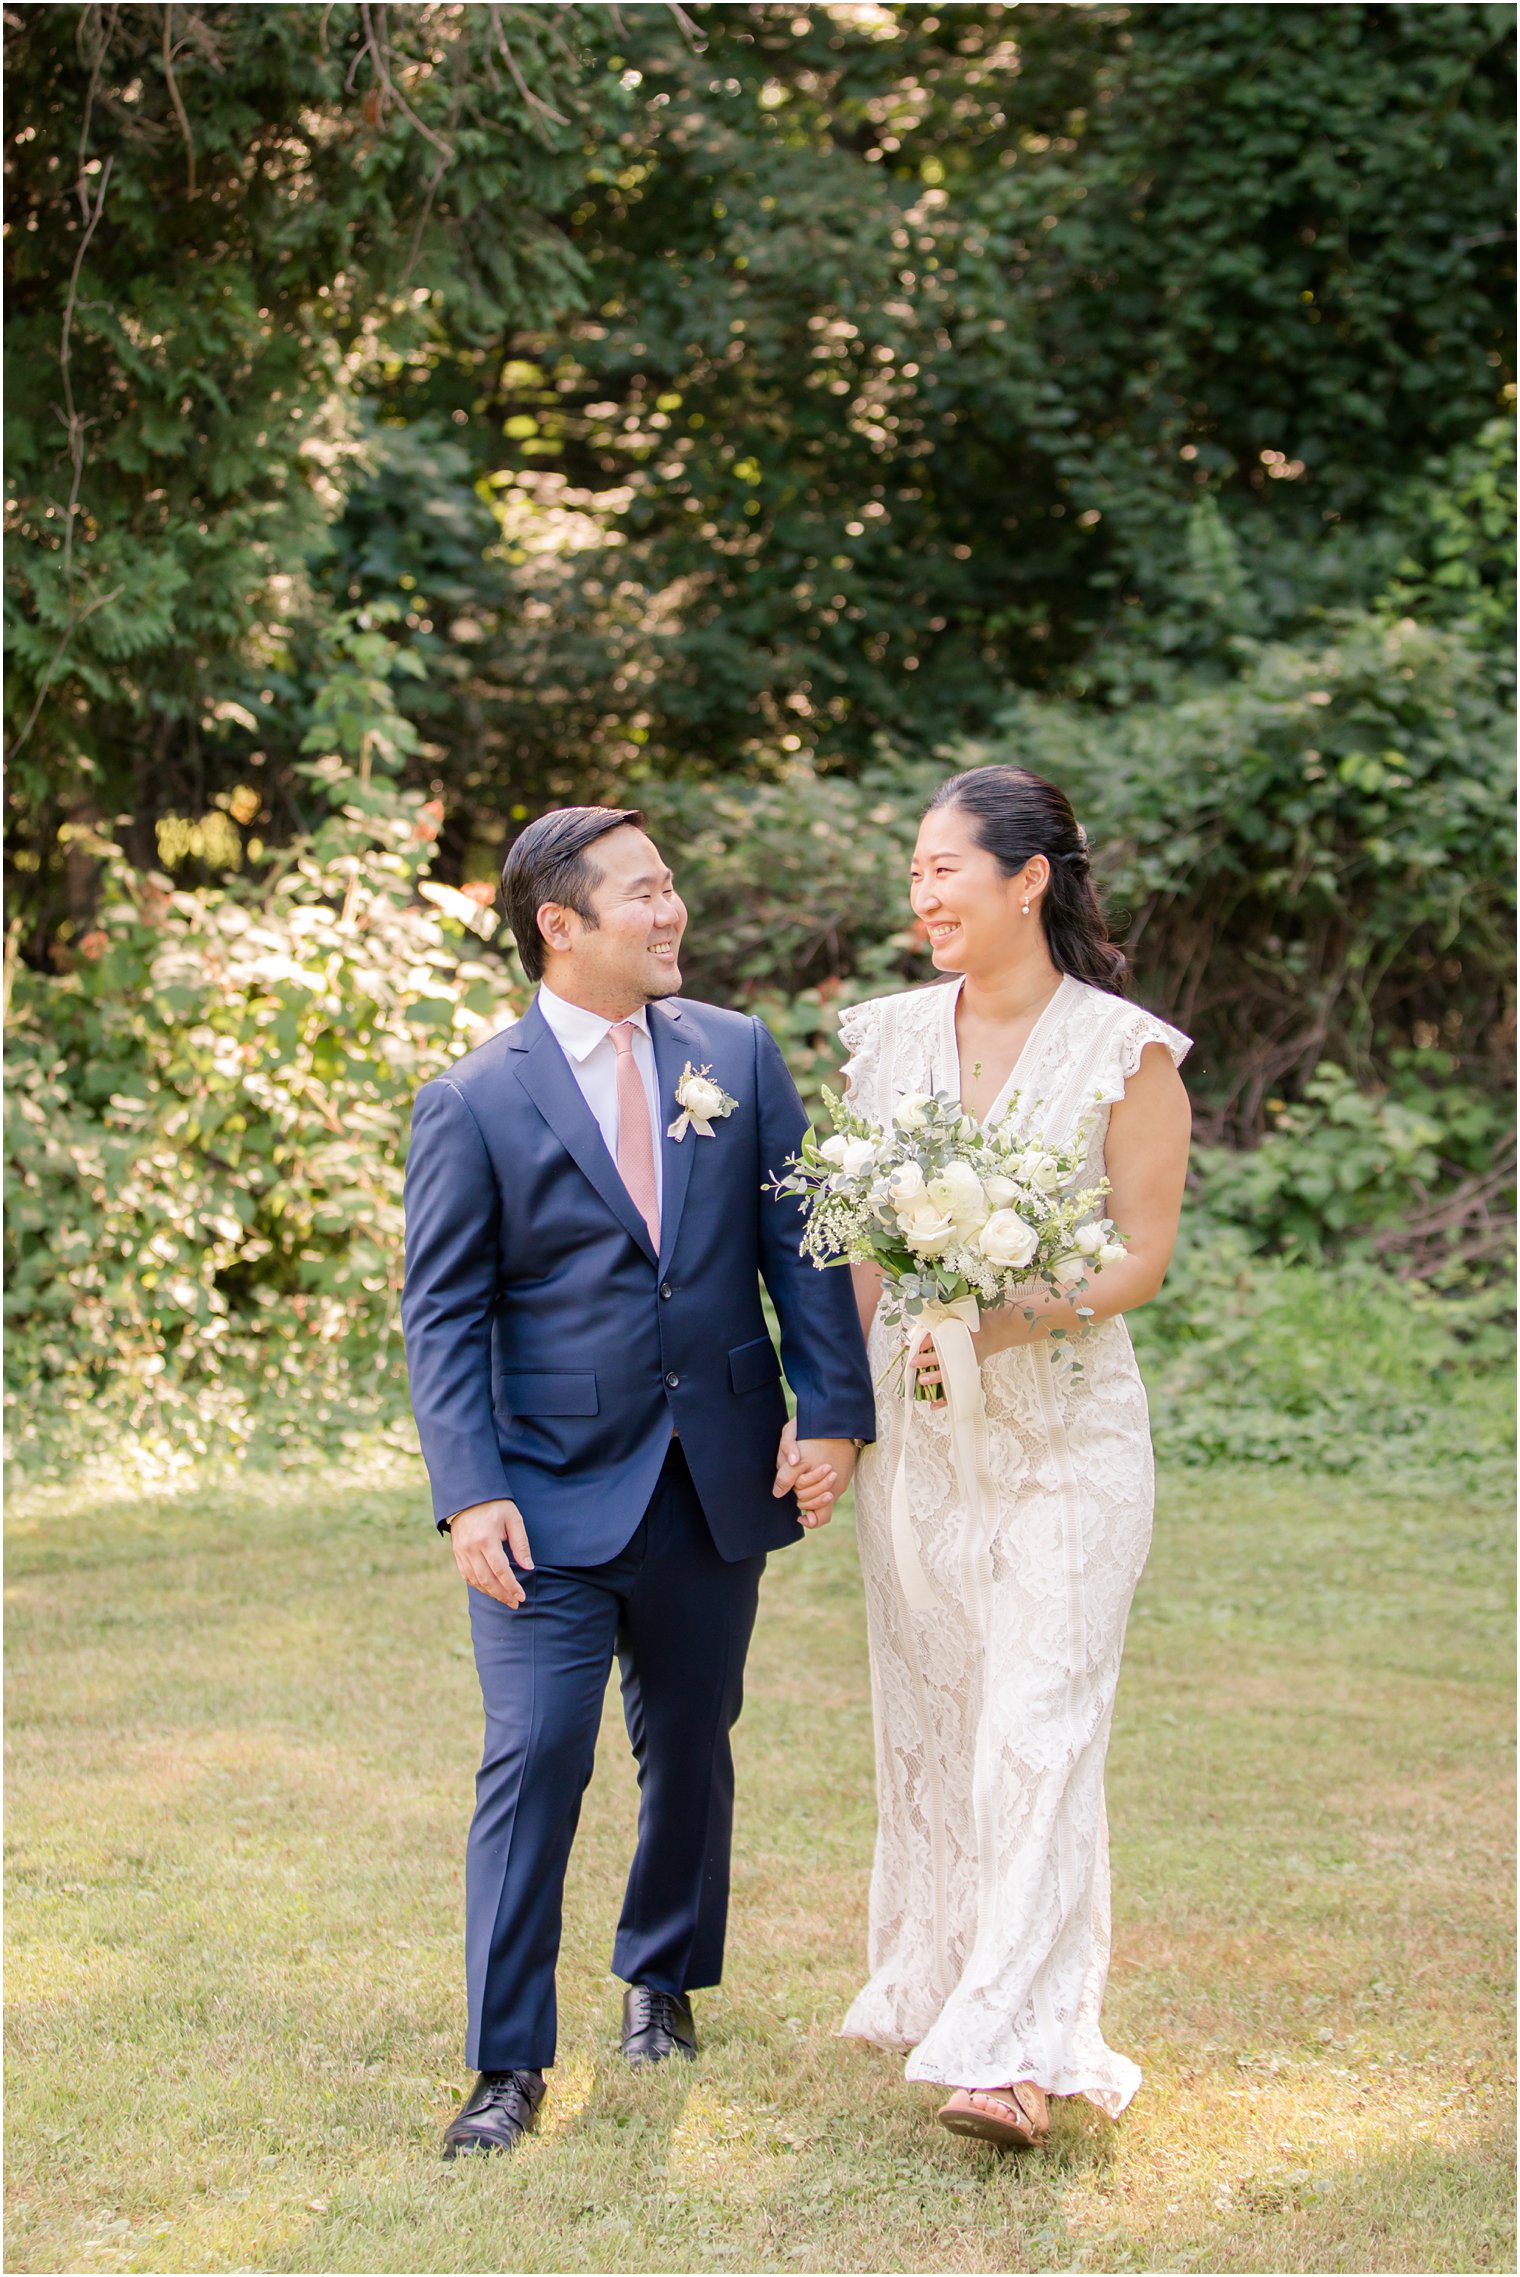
(952, 1327)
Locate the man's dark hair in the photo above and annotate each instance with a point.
(549, 862)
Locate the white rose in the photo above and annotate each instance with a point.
(1070, 1268)
(699, 1097)
(1090, 1239)
(925, 1229)
(851, 1155)
(1039, 1170)
(957, 1191)
(1006, 1239)
(909, 1113)
(1111, 1252)
(908, 1184)
(1000, 1191)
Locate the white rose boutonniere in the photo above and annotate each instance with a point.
(702, 1102)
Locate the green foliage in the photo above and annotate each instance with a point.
(208, 1117)
(1309, 859)
(1462, 560)
(915, 342)
(794, 879)
(421, 413)
(1251, 1359)
(1421, 1175)
(221, 219)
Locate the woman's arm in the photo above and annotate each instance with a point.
(1146, 1153)
(867, 1280)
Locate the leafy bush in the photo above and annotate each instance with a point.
(1248, 1358)
(1309, 860)
(1421, 1174)
(209, 1112)
(794, 880)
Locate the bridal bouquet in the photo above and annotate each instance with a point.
(948, 1210)
(956, 1216)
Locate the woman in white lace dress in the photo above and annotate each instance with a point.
(989, 1924)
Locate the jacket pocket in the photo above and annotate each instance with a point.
(751, 1365)
(528, 1396)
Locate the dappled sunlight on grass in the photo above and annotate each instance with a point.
(723, 2149)
(574, 2083)
(238, 1798)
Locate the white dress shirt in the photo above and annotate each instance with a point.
(585, 1038)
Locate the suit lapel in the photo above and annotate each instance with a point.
(544, 1073)
(675, 1042)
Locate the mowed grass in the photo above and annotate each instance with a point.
(243, 1729)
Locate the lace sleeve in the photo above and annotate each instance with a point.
(1132, 1029)
(860, 1033)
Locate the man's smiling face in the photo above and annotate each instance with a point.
(630, 955)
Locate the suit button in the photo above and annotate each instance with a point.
(672, 1379)
(666, 1290)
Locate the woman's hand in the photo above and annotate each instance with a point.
(930, 1381)
(817, 1472)
(1000, 1332)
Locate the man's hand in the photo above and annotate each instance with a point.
(479, 1535)
(817, 1471)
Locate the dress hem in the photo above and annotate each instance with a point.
(1104, 2096)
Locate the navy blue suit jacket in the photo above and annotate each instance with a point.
(551, 1353)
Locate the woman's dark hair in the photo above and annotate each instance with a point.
(1015, 814)
(549, 862)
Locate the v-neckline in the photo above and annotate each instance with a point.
(1000, 1102)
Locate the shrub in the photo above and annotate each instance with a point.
(1249, 1358)
(209, 1113)
(206, 1138)
(1309, 861)
(795, 880)
(1420, 1173)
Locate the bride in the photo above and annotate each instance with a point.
(989, 1916)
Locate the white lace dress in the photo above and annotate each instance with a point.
(989, 1918)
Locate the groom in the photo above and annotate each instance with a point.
(601, 1410)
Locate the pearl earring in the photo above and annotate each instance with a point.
(1026, 906)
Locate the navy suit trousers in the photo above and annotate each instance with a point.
(679, 1618)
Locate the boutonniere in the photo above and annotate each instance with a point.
(703, 1103)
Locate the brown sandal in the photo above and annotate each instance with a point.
(1015, 2117)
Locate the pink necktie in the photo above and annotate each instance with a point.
(635, 1144)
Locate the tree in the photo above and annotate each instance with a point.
(221, 219)
(914, 341)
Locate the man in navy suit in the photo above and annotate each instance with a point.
(602, 1415)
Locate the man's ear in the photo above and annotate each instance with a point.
(554, 926)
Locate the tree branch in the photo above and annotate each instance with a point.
(535, 103)
(177, 100)
(377, 48)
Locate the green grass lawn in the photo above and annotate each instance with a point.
(243, 1729)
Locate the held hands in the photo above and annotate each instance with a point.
(481, 1537)
(817, 1471)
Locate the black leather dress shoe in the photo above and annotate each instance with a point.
(657, 2025)
(498, 2112)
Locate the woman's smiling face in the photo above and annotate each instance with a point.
(968, 907)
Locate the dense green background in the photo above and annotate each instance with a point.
(417, 415)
